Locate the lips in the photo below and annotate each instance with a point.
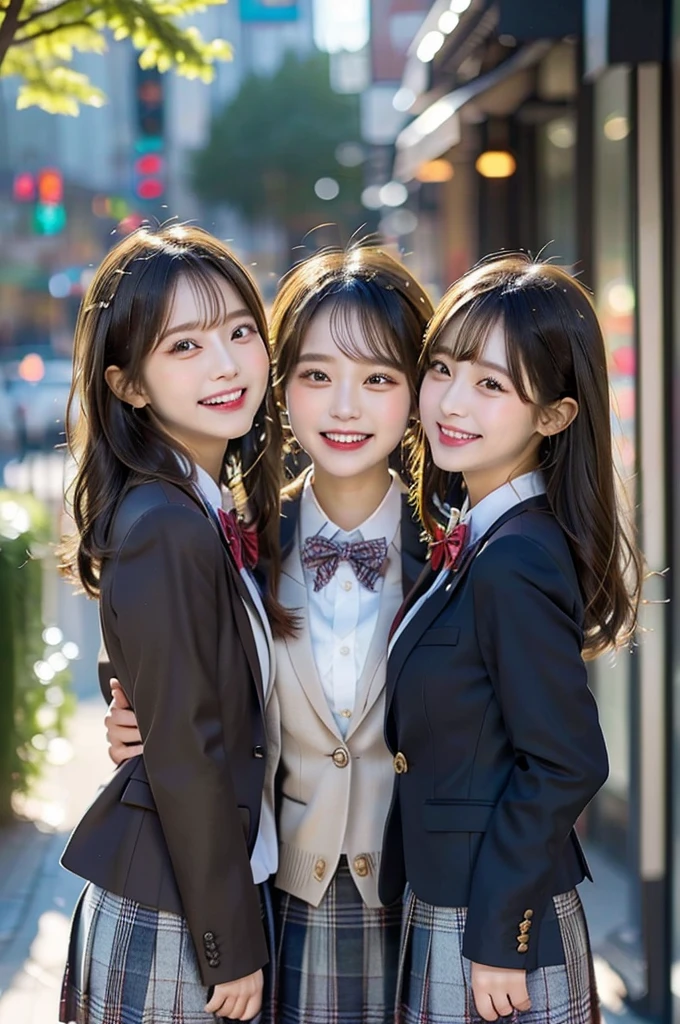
(345, 441)
(225, 401)
(456, 438)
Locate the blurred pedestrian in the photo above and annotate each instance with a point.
(171, 379)
(495, 735)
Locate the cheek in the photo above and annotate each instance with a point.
(427, 399)
(396, 411)
(303, 405)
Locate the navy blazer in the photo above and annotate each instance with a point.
(488, 705)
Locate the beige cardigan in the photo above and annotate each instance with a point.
(324, 776)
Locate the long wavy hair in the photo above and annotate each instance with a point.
(365, 281)
(115, 446)
(555, 350)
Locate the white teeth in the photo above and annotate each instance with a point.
(346, 438)
(233, 396)
(458, 435)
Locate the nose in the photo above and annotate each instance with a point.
(453, 402)
(224, 365)
(345, 402)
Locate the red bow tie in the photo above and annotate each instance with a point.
(446, 548)
(242, 540)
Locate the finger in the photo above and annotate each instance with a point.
(122, 719)
(485, 1007)
(519, 995)
(218, 1002)
(502, 1004)
(118, 695)
(254, 1006)
(238, 1010)
(119, 752)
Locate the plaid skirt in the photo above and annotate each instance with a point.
(434, 976)
(131, 964)
(336, 963)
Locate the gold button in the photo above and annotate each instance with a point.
(523, 948)
(344, 650)
(361, 865)
(524, 926)
(400, 763)
(340, 757)
(347, 585)
(320, 869)
(346, 713)
(528, 914)
(522, 939)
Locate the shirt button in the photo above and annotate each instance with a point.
(346, 713)
(347, 585)
(344, 649)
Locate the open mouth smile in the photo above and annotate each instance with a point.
(345, 441)
(456, 438)
(227, 401)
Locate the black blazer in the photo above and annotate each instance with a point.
(174, 828)
(488, 702)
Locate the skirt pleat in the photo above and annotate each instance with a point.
(434, 985)
(336, 963)
(131, 964)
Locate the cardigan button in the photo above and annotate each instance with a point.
(361, 865)
(320, 869)
(340, 757)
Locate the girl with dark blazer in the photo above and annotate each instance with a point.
(495, 735)
(171, 387)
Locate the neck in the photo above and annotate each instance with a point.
(480, 485)
(349, 501)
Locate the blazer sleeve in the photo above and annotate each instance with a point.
(105, 672)
(164, 599)
(531, 642)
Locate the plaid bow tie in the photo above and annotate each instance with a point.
(446, 548)
(242, 540)
(366, 557)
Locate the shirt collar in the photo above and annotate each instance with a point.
(209, 490)
(485, 513)
(384, 522)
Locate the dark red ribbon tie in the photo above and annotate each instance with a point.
(242, 540)
(446, 548)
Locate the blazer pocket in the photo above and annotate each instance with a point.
(442, 635)
(457, 815)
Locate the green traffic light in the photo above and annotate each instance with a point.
(49, 218)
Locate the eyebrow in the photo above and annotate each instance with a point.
(484, 363)
(196, 326)
(313, 357)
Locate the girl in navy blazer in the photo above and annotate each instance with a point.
(495, 735)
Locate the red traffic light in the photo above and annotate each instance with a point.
(151, 163)
(149, 188)
(50, 186)
(24, 188)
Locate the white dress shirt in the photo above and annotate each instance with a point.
(265, 857)
(479, 519)
(343, 615)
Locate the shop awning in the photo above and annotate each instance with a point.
(437, 129)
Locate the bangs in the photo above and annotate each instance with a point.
(463, 332)
(376, 340)
(203, 278)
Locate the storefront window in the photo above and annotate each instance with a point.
(556, 162)
(615, 301)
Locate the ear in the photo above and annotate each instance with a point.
(123, 389)
(555, 418)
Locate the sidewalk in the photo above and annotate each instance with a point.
(37, 896)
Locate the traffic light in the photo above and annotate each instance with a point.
(148, 161)
(23, 189)
(49, 216)
(50, 186)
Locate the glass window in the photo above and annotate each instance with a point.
(556, 162)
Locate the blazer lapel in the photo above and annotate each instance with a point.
(241, 595)
(372, 681)
(293, 595)
(414, 629)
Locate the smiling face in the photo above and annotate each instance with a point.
(206, 377)
(349, 414)
(475, 421)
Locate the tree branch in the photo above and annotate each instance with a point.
(50, 31)
(9, 26)
(42, 13)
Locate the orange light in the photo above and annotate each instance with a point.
(496, 163)
(50, 186)
(32, 368)
(435, 171)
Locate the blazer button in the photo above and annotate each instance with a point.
(524, 926)
(400, 763)
(340, 757)
(361, 865)
(528, 914)
(522, 948)
(320, 869)
(209, 936)
(258, 751)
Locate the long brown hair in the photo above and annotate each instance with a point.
(123, 315)
(555, 350)
(392, 307)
